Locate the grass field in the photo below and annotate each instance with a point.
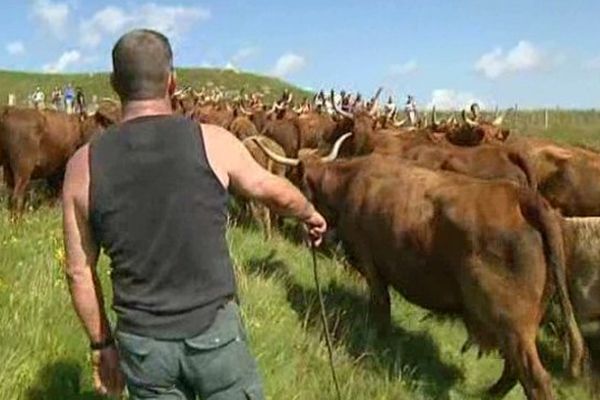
(44, 351)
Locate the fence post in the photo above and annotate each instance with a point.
(546, 119)
(12, 100)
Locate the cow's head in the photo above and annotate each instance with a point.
(309, 173)
(473, 132)
(107, 114)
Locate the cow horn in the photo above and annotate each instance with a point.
(434, 120)
(290, 162)
(272, 110)
(373, 109)
(467, 120)
(110, 100)
(398, 124)
(244, 111)
(336, 148)
(374, 99)
(499, 119)
(339, 111)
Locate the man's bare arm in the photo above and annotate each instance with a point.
(81, 250)
(238, 169)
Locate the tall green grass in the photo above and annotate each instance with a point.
(44, 350)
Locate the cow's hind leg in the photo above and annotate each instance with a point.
(379, 299)
(17, 199)
(507, 381)
(520, 350)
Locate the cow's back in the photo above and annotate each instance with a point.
(423, 229)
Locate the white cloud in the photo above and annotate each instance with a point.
(15, 48)
(407, 68)
(64, 61)
(109, 20)
(172, 21)
(244, 54)
(448, 99)
(53, 16)
(592, 64)
(288, 64)
(521, 58)
(229, 66)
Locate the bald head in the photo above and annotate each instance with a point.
(142, 65)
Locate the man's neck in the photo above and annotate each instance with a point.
(144, 108)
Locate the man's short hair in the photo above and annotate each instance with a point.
(142, 61)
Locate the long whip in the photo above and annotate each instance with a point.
(324, 320)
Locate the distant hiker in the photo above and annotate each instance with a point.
(410, 108)
(38, 98)
(56, 98)
(80, 106)
(69, 94)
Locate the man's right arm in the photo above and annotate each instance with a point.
(229, 157)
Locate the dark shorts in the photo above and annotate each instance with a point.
(215, 365)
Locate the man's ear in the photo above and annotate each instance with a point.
(172, 84)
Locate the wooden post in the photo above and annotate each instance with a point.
(546, 119)
(12, 100)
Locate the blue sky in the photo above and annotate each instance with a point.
(531, 53)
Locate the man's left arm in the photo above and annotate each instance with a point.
(82, 251)
(84, 284)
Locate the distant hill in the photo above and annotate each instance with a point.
(23, 83)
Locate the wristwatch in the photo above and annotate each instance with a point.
(109, 341)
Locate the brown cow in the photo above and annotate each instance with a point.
(582, 249)
(218, 113)
(484, 161)
(489, 251)
(473, 133)
(567, 175)
(242, 127)
(37, 144)
(285, 132)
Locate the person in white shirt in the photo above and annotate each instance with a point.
(38, 98)
(410, 108)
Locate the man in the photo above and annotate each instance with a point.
(80, 100)
(38, 98)
(151, 192)
(410, 108)
(69, 94)
(56, 98)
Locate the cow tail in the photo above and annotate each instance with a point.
(543, 218)
(525, 164)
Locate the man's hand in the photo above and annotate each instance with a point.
(317, 226)
(106, 374)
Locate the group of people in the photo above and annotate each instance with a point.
(69, 99)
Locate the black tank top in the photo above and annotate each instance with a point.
(159, 212)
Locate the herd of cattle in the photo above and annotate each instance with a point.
(459, 216)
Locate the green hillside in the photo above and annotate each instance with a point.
(23, 83)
